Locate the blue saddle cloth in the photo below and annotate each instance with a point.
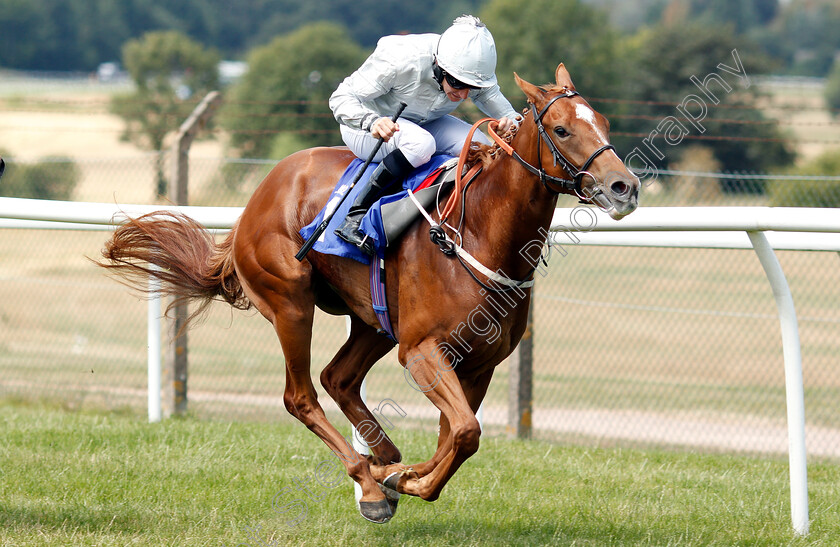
(371, 225)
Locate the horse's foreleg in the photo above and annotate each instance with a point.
(444, 390)
(342, 379)
(474, 389)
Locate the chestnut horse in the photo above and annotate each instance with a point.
(562, 146)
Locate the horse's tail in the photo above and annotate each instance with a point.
(180, 253)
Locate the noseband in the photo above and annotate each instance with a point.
(570, 186)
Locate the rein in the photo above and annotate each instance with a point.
(459, 170)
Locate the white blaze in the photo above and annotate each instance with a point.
(586, 114)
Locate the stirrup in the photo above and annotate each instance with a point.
(349, 232)
(366, 246)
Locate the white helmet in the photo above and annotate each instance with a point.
(466, 51)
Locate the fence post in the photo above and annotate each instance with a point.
(153, 338)
(521, 382)
(176, 361)
(794, 389)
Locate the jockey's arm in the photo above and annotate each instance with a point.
(492, 102)
(373, 79)
(347, 106)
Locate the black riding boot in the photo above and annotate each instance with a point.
(394, 166)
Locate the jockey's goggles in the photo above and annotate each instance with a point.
(455, 83)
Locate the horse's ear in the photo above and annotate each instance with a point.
(563, 78)
(533, 92)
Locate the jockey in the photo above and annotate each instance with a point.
(432, 74)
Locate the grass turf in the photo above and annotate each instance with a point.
(86, 478)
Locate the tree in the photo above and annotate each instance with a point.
(60, 35)
(22, 37)
(169, 69)
(744, 14)
(53, 177)
(80, 34)
(660, 68)
(809, 193)
(533, 37)
(287, 87)
(805, 32)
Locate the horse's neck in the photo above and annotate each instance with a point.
(510, 209)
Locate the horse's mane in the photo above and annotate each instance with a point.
(478, 155)
(485, 154)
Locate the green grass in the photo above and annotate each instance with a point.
(85, 478)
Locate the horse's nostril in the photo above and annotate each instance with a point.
(620, 188)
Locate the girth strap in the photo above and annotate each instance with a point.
(378, 296)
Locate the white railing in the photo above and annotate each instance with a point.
(760, 228)
(85, 215)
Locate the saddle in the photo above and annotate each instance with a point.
(385, 222)
(398, 216)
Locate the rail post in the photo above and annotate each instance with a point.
(153, 355)
(794, 389)
(521, 382)
(176, 362)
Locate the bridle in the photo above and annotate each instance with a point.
(568, 186)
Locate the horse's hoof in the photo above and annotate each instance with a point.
(376, 511)
(391, 481)
(391, 495)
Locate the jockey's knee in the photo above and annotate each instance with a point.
(417, 145)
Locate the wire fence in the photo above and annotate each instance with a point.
(633, 346)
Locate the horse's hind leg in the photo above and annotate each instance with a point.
(291, 311)
(343, 377)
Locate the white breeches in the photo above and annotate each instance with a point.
(418, 143)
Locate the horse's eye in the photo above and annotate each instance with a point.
(561, 132)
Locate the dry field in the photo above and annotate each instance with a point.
(77, 125)
(802, 114)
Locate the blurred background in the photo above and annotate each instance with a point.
(93, 91)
